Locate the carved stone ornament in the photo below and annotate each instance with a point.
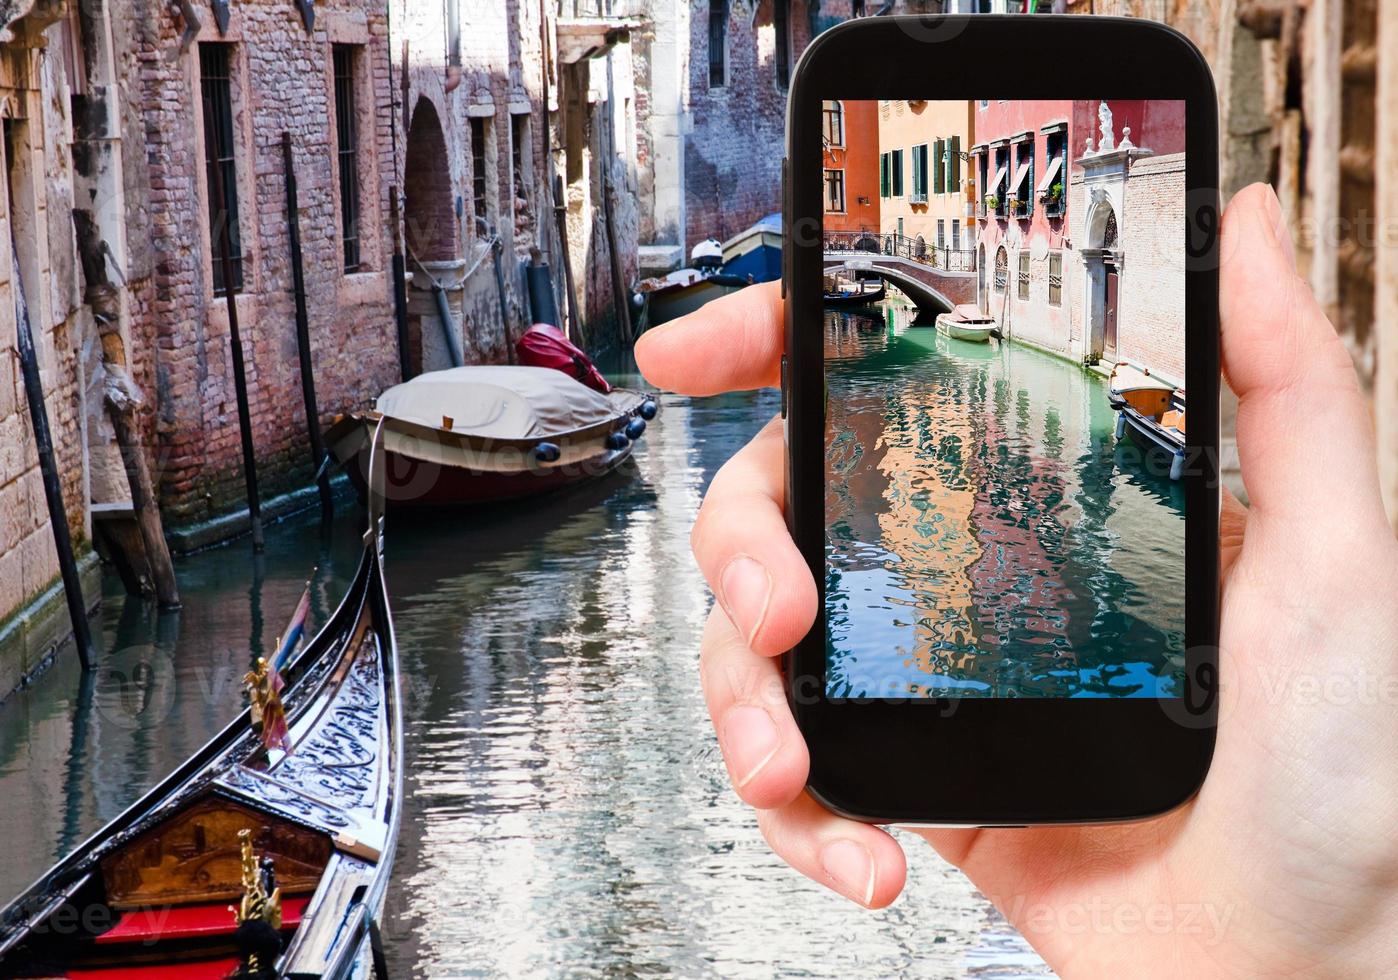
(1104, 127)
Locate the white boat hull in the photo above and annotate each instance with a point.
(978, 333)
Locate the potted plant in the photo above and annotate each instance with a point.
(1054, 194)
(992, 202)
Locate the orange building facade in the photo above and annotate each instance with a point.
(850, 132)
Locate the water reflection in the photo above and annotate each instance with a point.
(567, 812)
(987, 534)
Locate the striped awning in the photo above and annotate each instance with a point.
(1020, 176)
(1050, 175)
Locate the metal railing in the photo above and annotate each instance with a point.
(914, 249)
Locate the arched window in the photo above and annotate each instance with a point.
(1002, 269)
(834, 117)
(1109, 232)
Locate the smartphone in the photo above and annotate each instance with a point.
(1002, 409)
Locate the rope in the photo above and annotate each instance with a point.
(490, 243)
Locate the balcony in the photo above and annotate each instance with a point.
(917, 198)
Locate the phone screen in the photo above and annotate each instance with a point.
(1004, 329)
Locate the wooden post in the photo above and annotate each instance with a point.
(400, 288)
(235, 342)
(121, 409)
(303, 335)
(560, 213)
(620, 295)
(48, 468)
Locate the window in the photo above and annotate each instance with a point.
(919, 162)
(956, 234)
(781, 20)
(521, 161)
(884, 176)
(896, 172)
(1052, 188)
(220, 161)
(1055, 277)
(941, 233)
(1002, 269)
(998, 187)
(1024, 273)
(1023, 184)
(718, 43)
(347, 133)
(835, 191)
(479, 184)
(833, 114)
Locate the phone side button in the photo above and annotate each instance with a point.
(784, 396)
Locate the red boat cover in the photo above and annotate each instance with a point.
(544, 345)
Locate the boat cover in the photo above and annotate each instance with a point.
(544, 345)
(969, 313)
(498, 402)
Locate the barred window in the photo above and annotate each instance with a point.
(1002, 269)
(220, 160)
(479, 182)
(1024, 273)
(347, 136)
(1055, 277)
(718, 43)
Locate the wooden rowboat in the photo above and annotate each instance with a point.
(282, 853)
(483, 434)
(1151, 407)
(966, 323)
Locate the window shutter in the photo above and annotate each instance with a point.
(955, 162)
(883, 175)
(916, 170)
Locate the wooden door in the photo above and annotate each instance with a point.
(1109, 315)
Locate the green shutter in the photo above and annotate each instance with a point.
(897, 173)
(883, 175)
(939, 183)
(916, 171)
(955, 164)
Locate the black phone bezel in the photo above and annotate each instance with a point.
(996, 761)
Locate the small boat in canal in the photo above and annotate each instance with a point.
(683, 291)
(484, 434)
(1150, 407)
(756, 253)
(853, 298)
(269, 852)
(966, 322)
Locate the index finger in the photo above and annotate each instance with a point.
(732, 344)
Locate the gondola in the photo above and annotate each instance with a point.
(848, 298)
(487, 434)
(252, 859)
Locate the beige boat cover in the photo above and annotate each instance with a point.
(969, 313)
(498, 402)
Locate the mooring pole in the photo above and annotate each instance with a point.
(560, 213)
(53, 490)
(400, 287)
(235, 341)
(303, 335)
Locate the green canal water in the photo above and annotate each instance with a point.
(567, 810)
(987, 533)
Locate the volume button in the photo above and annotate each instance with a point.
(784, 386)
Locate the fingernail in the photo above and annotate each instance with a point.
(851, 868)
(750, 740)
(1276, 226)
(746, 589)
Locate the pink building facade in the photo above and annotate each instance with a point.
(1020, 159)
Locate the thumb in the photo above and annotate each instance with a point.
(1305, 437)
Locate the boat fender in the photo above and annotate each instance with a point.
(617, 440)
(635, 428)
(547, 452)
(649, 409)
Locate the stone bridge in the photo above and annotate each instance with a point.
(934, 290)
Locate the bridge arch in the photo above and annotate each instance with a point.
(928, 298)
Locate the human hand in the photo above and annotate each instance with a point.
(1286, 862)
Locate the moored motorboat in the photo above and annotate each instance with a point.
(669, 297)
(755, 254)
(1151, 407)
(491, 433)
(966, 322)
(269, 852)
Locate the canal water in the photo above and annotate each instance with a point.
(989, 535)
(567, 811)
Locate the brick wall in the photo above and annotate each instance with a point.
(282, 81)
(1152, 308)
